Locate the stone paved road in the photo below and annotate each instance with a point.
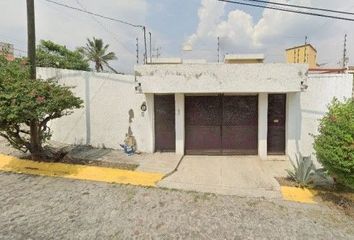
(33, 207)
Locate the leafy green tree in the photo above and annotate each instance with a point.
(335, 143)
(96, 52)
(26, 107)
(50, 54)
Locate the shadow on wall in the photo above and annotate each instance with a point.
(294, 124)
(129, 136)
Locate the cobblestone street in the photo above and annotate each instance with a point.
(33, 207)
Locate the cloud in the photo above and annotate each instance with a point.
(209, 15)
(272, 32)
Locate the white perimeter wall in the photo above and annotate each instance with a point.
(109, 100)
(110, 97)
(306, 108)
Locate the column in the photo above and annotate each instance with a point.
(262, 125)
(179, 113)
(151, 119)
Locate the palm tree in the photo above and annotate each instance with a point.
(96, 52)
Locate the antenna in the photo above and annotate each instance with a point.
(137, 50)
(344, 61)
(158, 53)
(218, 49)
(150, 47)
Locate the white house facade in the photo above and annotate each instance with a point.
(213, 109)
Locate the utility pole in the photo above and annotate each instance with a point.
(137, 50)
(150, 47)
(344, 61)
(145, 52)
(31, 38)
(218, 49)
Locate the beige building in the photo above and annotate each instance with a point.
(302, 54)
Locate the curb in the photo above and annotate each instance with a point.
(80, 172)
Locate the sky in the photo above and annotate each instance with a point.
(175, 24)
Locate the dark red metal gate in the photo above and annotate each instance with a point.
(276, 124)
(240, 125)
(165, 123)
(203, 121)
(221, 124)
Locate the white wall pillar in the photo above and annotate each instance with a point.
(262, 125)
(151, 119)
(179, 113)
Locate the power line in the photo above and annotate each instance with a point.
(301, 6)
(109, 18)
(95, 14)
(288, 10)
(103, 26)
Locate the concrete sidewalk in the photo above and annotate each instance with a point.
(246, 176)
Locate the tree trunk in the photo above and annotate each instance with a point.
(36, 143)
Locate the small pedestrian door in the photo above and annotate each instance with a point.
(165, 123)
(276, 124)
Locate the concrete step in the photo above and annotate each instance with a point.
(278, 158)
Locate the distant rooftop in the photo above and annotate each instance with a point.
(244, 56)
(300, 46)
(165, 61)
(6, 47)
(194, 61)
(176, 60)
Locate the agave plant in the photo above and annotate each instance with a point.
(305, 173)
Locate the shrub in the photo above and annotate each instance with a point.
(26, 107)
(334, 145)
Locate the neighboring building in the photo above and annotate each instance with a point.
(7, 49)
(213, 109)
(244, 58)
(302, 54)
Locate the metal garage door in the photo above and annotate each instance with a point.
(221, 124)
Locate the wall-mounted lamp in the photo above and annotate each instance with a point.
(303, 86)
(143, 107)
(138, 88)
